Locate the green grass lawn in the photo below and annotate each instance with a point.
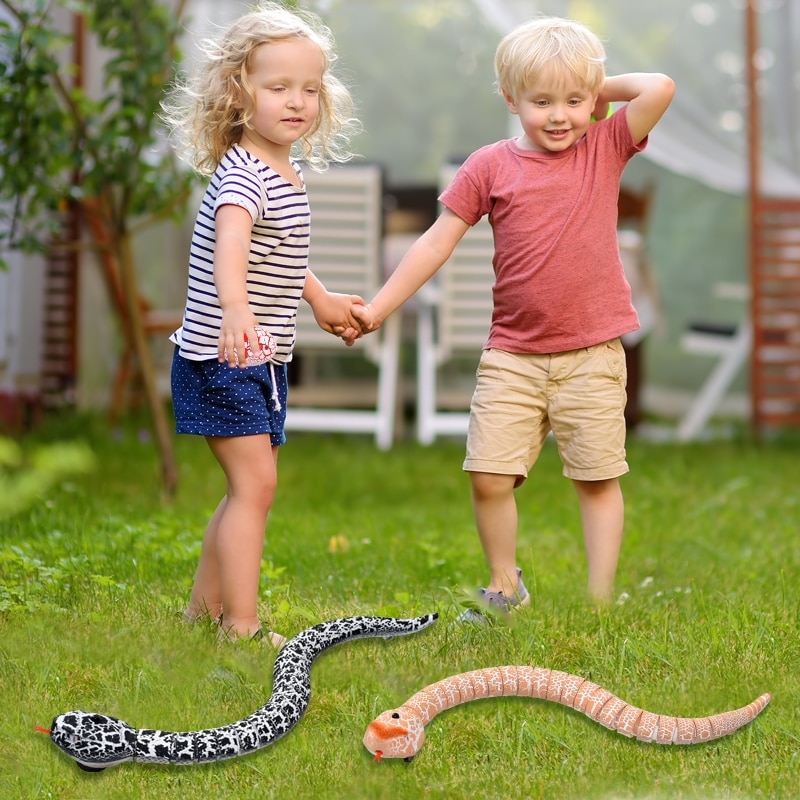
(94, 574)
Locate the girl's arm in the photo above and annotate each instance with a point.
(648, 95)
(231, 255)
(421, 261)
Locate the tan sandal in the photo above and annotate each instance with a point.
(275, 639)
(268, 637)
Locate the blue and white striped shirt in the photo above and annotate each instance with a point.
(278, 255)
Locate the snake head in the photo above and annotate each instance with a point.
(95, 741)
(398, 733)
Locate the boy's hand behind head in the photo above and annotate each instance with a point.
(602, 109)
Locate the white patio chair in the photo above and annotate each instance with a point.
(346, 255)
(731, 344)
(452, 326)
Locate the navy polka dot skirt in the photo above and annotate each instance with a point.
(213, 399)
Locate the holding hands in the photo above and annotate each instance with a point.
(360, 321)
(335, 313)
(366, 319)
(339, 314)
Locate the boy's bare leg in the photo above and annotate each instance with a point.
(602, 516)
(495, 511)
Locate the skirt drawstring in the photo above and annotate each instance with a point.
(276, 402)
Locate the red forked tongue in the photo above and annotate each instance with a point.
(39, 729)
(378, 754)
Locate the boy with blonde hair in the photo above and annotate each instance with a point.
(553, 360)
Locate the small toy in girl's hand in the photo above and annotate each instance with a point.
(267, 343)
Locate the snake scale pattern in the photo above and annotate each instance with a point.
(400, 732)
(97, 741)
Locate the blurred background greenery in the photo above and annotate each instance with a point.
(422, 76)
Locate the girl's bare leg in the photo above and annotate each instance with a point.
(602, 516)
(206, 597)
(495, 511)
(230, 559)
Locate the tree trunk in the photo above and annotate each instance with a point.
(163, 437)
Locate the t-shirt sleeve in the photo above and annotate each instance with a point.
(617, 127)
(466, 196)
(241, 187)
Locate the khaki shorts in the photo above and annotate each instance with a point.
(519, 399)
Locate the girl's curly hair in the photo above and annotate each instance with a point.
(204, 112)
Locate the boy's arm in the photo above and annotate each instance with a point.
(648, 95)
(422, 260)
(332, 311)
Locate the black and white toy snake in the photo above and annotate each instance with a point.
(97, 741)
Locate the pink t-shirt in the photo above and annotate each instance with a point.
(559, 282)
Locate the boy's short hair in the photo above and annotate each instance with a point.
(538, 46)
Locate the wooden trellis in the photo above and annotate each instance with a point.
(60, 334)
(775, 309)
(774, 279)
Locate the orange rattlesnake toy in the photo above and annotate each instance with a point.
(399, 733)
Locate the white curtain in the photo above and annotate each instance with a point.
(701, 45)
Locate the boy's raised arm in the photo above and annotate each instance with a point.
(422, 260)
(648, 95)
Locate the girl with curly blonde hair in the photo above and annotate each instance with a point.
(262, 96)
(206, 113)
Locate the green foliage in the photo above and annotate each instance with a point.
(58, 143)
(22, 481)
(139, 37)
(38, 144)
(707, 618)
